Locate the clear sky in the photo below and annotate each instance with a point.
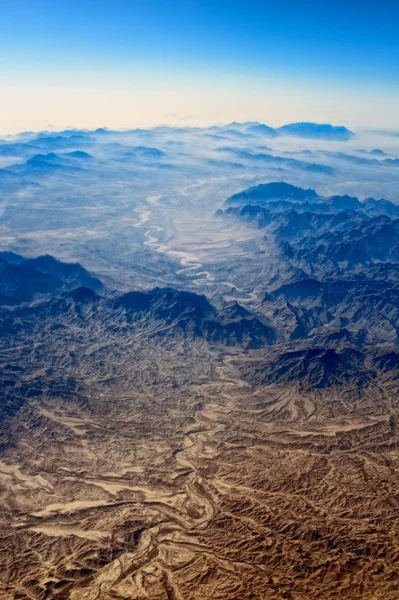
(124, 63)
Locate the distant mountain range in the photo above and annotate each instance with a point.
(301, 130)
(73, 137)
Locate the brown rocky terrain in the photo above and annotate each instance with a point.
(161, 468)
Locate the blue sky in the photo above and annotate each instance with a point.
(134, 62)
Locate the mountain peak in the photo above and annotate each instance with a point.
(82, 294)
(317, 131)
(265, 192)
